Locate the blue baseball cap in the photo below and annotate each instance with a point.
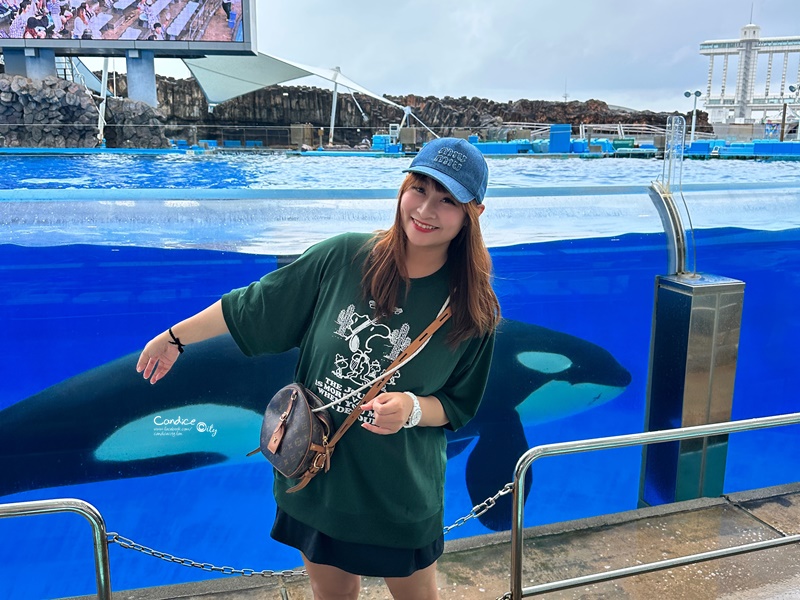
(457, 165)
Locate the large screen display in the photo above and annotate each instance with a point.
(170, 27)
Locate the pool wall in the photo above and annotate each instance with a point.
(85, 283)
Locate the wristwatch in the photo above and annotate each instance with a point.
(416, 411)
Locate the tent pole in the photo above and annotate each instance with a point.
(333, 105)
(423, 124)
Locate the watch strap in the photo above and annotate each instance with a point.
(416, 411)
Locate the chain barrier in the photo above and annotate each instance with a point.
(186, 562)
(115, 538)
(481, 508)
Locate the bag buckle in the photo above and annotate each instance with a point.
(316, 462)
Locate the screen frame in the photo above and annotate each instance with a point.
(159, 48)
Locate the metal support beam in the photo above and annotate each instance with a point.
(141, 76)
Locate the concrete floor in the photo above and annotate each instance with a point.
(478, 568)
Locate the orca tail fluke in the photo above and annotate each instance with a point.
(490, 467)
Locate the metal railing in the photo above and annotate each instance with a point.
(628, 130)
(60, 505)
(100, 536)
(537, 130)
(622, 441)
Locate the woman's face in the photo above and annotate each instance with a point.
(431, 217)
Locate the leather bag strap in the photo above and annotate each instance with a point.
(373, 391)
(376, 387)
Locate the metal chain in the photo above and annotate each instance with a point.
(185, 562)
(481, 508)
(115, 538)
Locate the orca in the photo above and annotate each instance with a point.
(109, 423)
(538, 375)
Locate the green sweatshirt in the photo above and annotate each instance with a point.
(382, 489)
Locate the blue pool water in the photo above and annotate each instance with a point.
(83, 289)
(255, 171)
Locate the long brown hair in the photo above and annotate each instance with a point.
(476, 310)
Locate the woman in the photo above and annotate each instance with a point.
(20, 23)
(84, 26)
(33, 29)
(352, 304)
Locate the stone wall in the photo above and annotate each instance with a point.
(56, 113)
(186, 110)
(132, 124)
(46, 113)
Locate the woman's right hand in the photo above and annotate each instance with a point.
(157, 357)
(160, 353)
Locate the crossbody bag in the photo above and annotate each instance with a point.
(297, 433)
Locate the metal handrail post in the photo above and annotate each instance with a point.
(607, 443)
(86, 510)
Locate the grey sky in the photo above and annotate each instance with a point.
(642, 54)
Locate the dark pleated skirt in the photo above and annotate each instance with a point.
(359, 559)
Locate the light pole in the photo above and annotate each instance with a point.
(696, 94)
(795, 89)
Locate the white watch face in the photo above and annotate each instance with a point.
(416, 413)
(415, 417)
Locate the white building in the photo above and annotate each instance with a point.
(756, 61)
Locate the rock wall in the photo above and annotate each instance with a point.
(132, 124)
(187, 111)
(46, 113)
(54, 113)
(57, 113)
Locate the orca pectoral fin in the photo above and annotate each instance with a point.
(491, 465)
(456, 447)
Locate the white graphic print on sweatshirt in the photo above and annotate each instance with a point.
(368, 342)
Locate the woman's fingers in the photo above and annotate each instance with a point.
(378, 430)
(390, 413)
(157, 358)
(386, 404)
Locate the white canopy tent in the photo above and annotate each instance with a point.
(224, 77)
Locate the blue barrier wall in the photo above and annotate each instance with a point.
(87, 280)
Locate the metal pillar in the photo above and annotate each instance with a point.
(40, 62)
(141, 76)
(693, 353)
(34, 63)
(333, 104)
(694, 348)
(724, 76)
(710, 76)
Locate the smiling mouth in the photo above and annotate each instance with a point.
(421, 225)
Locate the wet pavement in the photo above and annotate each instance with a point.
(478, 568)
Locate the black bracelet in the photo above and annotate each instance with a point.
(175, 341)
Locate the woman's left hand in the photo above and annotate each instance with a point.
(391, 411)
